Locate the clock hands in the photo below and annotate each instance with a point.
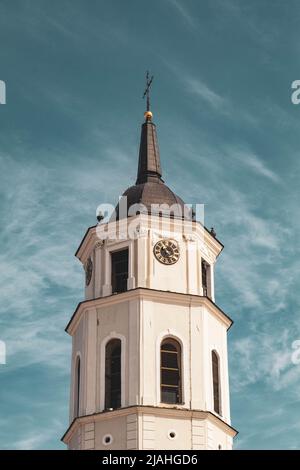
(166, 251)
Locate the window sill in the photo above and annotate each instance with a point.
(171, 405)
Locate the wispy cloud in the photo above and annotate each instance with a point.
(262, 357)
(230, 143)
(183, 12)
(200, 89)
(257, 273)
(217, 99)
(197, 87)
(251, 20)
(40, 438)
(44, 211)
(254, 163)
(31, 442)
(41, 260)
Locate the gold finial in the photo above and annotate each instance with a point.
(148, 115)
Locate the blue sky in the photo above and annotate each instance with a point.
(229, 138)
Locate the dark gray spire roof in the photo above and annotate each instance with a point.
(149, 188)
(149, 168)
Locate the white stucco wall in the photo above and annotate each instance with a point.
(161, 301)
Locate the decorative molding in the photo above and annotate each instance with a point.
(175, 298)
(157, 411)
(190, 238)
(132, 432)
(204, 250)
(89, 436)
(141, 231)
(99, 244)
(178, 228)
(148, 431)
(155, 235)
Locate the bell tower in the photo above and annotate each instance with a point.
(149, 344)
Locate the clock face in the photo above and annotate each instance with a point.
(88, 271)
(166, 251)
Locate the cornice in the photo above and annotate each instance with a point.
(213, 243)
(148, 294)
(180, 413)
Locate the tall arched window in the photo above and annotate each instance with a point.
(113, 374)
(216, 381)
(77, 388)
(170, 371)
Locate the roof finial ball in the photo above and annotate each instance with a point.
(148, 115)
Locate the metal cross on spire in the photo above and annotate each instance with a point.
(147, 89)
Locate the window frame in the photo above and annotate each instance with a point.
(178, 346)
(216, 384)
(113, 276)
(108, 401)
(77, 386)
(206, 288)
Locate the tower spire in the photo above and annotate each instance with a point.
(149, 168)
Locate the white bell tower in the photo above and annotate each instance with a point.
(149, 361)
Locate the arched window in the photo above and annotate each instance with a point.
(77, 388)
(113, 374)
(216, 381)
(170, 371)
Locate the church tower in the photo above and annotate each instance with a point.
(149, 344)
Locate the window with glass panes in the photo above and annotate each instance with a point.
(170, 357)
(119, 271)
(113, 374)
